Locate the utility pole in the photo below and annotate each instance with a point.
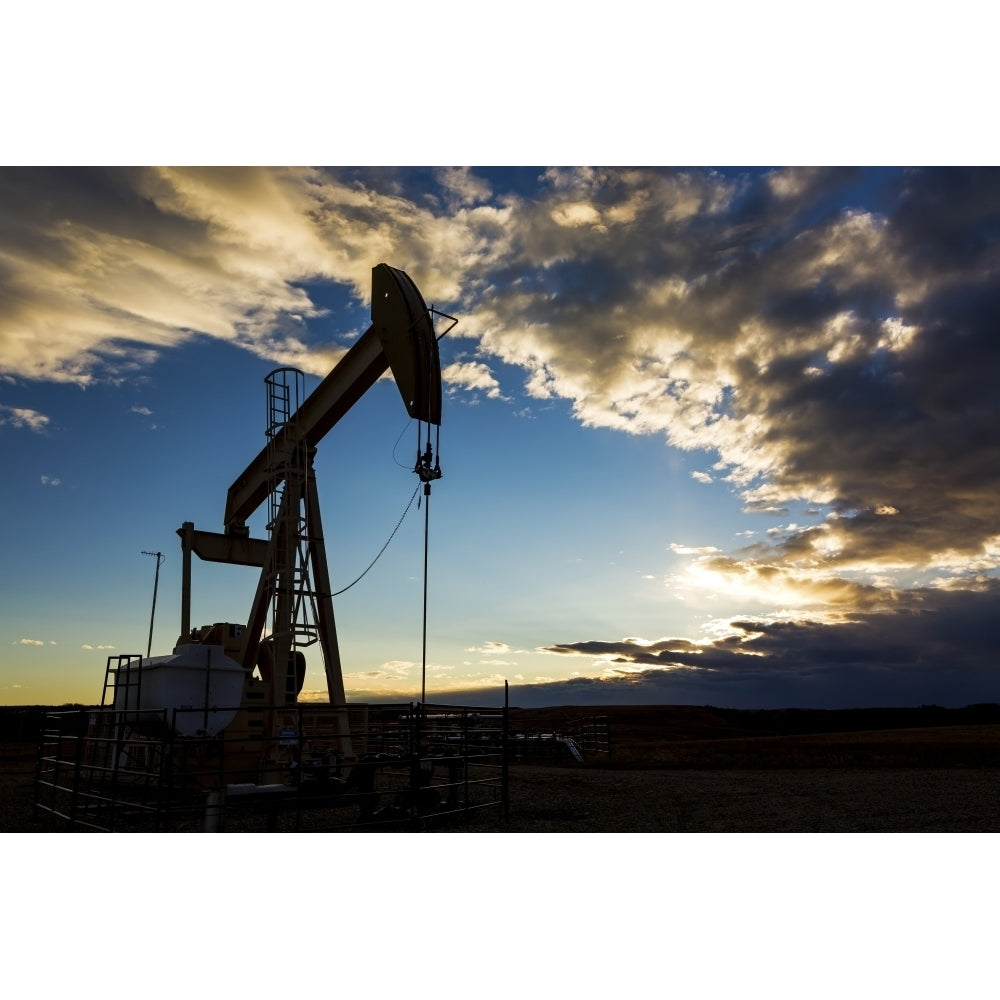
(156, 583)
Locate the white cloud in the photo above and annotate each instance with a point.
(490, 647)
(577, 213)
(472, 375)
(214, 251)
(29, 642)
(692, 550)
(390, 670)
(463, 186)
(790, 182)
(51, 481)
(20, 416)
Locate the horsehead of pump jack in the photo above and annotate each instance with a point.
(401, 338)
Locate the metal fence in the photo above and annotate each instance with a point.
(592, 734)
(358, 767)
(571, 739)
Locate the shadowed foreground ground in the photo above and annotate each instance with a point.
(912, 800)
(701, 770)
(557, 799)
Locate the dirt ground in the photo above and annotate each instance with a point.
(898, 800)
(567, 799)
(703, 770)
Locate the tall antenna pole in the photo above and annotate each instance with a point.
(156, 583)
(423, 664)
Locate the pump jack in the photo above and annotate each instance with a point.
(292, 559)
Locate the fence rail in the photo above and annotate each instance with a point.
(570, 739)
(330, 768)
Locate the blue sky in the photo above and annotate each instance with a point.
(711, 436)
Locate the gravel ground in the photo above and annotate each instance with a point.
(910, 800)
(701, 770)
(547, 799)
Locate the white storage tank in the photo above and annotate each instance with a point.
(203, 684)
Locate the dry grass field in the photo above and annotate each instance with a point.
(700, 770)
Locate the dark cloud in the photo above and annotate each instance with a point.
(909, 425)
(46, 209)
(915, 431)
(826, 352)
(946, 221)
(931, 647)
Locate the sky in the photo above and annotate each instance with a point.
(711, 435)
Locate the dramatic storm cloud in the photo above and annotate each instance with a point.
(830, 356)
(929, 647)
(102, 268)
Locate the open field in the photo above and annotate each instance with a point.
(816, 800)
(700, 770)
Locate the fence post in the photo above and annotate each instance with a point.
(505, 745)
(213, 811)
(74, 796)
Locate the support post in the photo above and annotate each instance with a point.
(324, 598)
(187, 537)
